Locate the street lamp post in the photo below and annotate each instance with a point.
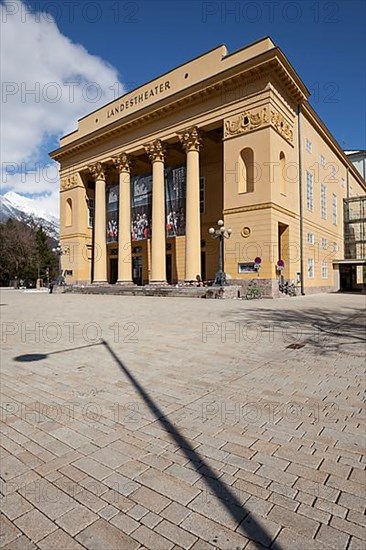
(220, 233)
(60, 252)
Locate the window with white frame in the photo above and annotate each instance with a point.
(335, 247)
(324, 243)
(324, 269)
(308, 145)
(309, 191)
(333, 172)
(323, 201)
(343, 182)
(310, 268)
(311, 238)
(334, 207)
(322, 160)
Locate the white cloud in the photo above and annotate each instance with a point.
(39, 102)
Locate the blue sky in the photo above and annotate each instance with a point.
(325, 41)
(135, 41)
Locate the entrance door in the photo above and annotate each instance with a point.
(137, 270)
(113, 271)
(169, 269)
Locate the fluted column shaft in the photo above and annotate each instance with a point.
(122, 162)
(155, 151)
(100, 245)
(191, 142)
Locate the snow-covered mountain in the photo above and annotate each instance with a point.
(15, 206)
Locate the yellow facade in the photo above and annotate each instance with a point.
(255, 155)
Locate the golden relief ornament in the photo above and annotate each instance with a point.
(155, 150)
(280, 124)
(190, 139)
(68, 183)
(248, 121)
(97, 171)
(122, 162)
(245, 122)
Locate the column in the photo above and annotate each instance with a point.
(191, 142)
(156, 153)
(100, 246)
(122, 162)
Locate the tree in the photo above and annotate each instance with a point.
(26, 252)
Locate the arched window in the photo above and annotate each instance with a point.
(246, 171)
(282, 173)
(68, 217)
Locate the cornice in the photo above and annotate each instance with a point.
(253, 69)
(261, 206)
(314, 119)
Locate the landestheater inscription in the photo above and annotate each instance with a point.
(139, 98)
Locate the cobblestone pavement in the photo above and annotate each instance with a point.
(152, 423)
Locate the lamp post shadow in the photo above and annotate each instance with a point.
(247, 524)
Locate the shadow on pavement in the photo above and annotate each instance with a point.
(247, 524)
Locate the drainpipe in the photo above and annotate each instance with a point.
(301, 203)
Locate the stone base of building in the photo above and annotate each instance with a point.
(236, 289)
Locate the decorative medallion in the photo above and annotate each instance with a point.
(245, 232)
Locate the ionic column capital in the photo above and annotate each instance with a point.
(155, 150)
(97, 171)
(122, 162)
(190, 139)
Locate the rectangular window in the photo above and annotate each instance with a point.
(308, 145)
(334, 206)
(309, 191)
(335, 247)
(90, 212)
(322, 160)
(324, 243)
(310, 268)
(310, 238)
(202, 195)
(323, 201)
(343, 182)
(324, 269)
(247, 268)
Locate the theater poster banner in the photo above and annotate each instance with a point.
(141, 207)
(112, 213)
(175, 197)
(175, 204)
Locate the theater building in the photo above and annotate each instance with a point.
(224, 136)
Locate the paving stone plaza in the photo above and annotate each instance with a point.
(147, 423)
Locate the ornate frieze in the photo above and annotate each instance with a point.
(122, 162)
(155, 150)
(249, 121)
(97, 171)
(68, 183)
(245, 122)
(282, 127)
(190, 139)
